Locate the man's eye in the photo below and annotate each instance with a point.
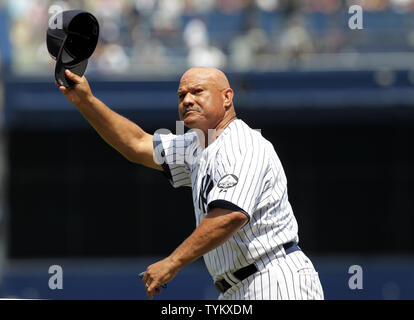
(198, 90)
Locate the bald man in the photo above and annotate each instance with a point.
(246, 230)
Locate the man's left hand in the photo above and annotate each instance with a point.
(158, 274)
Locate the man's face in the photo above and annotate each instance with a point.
(200, 101)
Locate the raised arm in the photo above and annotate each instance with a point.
(122, 134)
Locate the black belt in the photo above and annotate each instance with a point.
(241, 274)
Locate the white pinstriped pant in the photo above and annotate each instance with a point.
(291, 278)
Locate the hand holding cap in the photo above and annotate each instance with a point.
(73, 44)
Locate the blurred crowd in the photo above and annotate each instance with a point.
(161, 36)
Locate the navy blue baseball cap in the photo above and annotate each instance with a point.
(72, 44)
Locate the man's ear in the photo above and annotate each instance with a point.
(228, 97)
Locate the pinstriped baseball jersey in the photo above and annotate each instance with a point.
(240, 170)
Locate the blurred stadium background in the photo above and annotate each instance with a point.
(338, 105)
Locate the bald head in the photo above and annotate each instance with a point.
(216, 76)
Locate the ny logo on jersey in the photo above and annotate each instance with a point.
(206, 186)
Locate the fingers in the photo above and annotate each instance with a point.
(74, 77)
(151, 290)
(147, 283)
(149, 294)
(150, 286)
(61, 88)
(65, 91)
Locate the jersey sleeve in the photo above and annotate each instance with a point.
(174, 154)
(238, 180)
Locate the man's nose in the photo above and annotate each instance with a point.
(188, 99)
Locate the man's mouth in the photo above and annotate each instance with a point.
(187, 111)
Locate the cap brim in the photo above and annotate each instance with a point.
(60, 76)
(77, 68)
